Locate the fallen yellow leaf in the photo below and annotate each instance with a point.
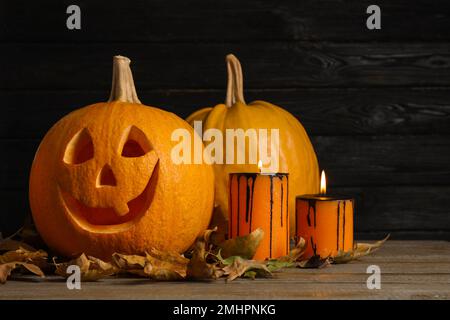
(198, 268)
(91, 268)
(239, 267)
(244, 246)
(359, 250)
(7, 268)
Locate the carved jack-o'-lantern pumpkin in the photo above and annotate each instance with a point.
(103, 181)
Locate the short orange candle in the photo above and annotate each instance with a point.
(325, 222)
(260, 201)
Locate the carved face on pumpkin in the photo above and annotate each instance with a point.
(103, 181)
(108, 178)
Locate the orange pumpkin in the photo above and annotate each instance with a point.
(103, 180)
(296, 154)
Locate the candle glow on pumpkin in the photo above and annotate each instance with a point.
(323, 183)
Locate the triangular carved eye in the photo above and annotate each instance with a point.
(135, 143)
(80, 148)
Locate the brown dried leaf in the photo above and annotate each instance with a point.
(166, 266)
(315, 262)
(197, 267)
(128, 262)
(360, 250)
(244, 246)
(242, 267)
(163, 271)
(168, 256)
(7, 268)
(12, 245)
(33, 269)
(137, 272)
(91, 268)
(366, 248)
(219, 221)
(295, 253)
(156, 265)
(210, 236)
(38, 258)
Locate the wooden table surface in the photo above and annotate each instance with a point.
(409, 270)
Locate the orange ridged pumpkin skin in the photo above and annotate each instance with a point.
(297, 156)
(103, 181)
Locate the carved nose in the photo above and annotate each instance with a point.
(106, 177)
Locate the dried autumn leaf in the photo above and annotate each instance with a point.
(289, 260)
(165, 265)
(219, 221)
(250, 274)
(366, 248)
(295, 253)
(128, 262)
(244, 246)
(241, 267)
(315, 262)
(38, 257)
(91, 268)
(156, 265)
(163, 271)
(168, 256)
(12, 245)
(96, 263)
(5, 271)
(33, 269)
(197, 267)
(210, 236)
(360, 250)
(275, 264)
(7, 268)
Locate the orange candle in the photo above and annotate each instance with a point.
(259, 200)
(325, 222)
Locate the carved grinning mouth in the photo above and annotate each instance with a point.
(108, 216)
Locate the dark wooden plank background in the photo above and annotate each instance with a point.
(376, 103)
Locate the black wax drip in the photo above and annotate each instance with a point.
(343, 228)
(247, 200)
(308, 218)
(271, 215)
(311, 205)
(315, 216)
(239, 205)
(353, 212)
(287, 215)
(281, 212)
(338, 222)
(230, 209)
(313, 246)
(251, 203)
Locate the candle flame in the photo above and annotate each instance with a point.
(260, 165)
(323, 183)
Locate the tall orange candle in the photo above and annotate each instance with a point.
(325, 222)
(258, 200)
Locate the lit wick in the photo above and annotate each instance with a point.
(259, 165)
(323, 183)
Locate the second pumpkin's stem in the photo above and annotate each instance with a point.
(235, 87)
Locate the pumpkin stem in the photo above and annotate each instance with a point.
(123, 88)
(235, 87)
